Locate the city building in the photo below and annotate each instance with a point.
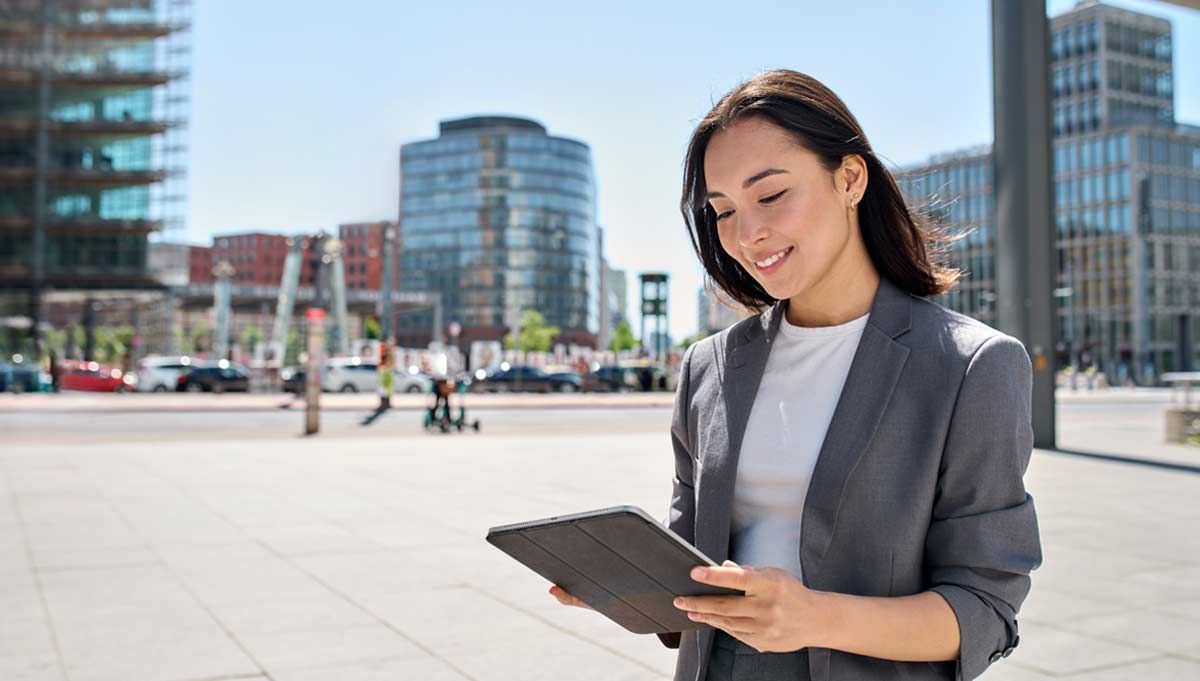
(498, 217)
(92, 147)
(715, 311)
(1127, 201)
(200, 264)
(363, 254)
(617, 299)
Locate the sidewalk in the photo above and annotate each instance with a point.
(362, 560)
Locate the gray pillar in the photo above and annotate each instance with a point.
(1024, 211)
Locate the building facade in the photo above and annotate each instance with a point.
(1127, 201)
(715, 311)
(499, 217)
(363, 254)
(92, 146)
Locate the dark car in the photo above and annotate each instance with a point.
(214, 378)
(19, 378)
(293, 380)
(613, 379)
(525, 379)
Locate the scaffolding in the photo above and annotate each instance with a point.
(93, 144)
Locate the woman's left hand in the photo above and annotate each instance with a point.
(778, 614)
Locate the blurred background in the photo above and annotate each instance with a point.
(227, 225)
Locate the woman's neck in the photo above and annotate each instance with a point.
(847, 293)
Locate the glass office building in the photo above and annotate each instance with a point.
(93, 112)
(1127, 201)
(499, 217)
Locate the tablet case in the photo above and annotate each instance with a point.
(619, 561)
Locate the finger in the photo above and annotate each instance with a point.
(729, 577)
(743, 626)
(730, 606)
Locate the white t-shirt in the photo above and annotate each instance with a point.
(803, 379)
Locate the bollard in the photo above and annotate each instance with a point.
(312, 377)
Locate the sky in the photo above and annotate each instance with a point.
(299, 108)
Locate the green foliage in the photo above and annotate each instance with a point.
(535, 335)
(373, 332)
(251, 336)
(291, 353)
(623, 338)
(687, 342)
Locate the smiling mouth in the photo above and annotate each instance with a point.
(770, 263)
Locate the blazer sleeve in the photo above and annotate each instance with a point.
(682, 515)
(983, 537)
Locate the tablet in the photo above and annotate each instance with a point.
(619, 560)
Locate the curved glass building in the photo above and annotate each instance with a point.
(499, 217)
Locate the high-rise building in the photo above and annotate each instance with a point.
(1127, 200)
(499, 217)
(715, 311)
(93, 108)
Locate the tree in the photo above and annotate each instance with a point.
(251, 336)
(687, 342)
(373, 332)
(200, 339)
(623, 338)
(535, 336)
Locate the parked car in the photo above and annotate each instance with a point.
(293, 379)
(95, 377)
(23, 377)
(218, 377)
(161, 374)
(524, 379)
(612, 378)
(355, 375)
(412, 383)
(350, 375)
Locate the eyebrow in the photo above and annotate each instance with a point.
(761, 175)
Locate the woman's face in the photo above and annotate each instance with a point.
(779, 212)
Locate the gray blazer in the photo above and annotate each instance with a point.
(918, 485)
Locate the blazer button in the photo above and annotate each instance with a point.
(995, 657)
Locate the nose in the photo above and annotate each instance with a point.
(751, 232)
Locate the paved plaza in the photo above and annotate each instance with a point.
(208, 546)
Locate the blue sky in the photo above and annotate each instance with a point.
(299, 107)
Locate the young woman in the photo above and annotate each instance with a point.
(854, 453)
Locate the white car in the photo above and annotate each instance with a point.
(354, 375)
(161, 374)
(350, 375)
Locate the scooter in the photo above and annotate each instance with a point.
(442, 389)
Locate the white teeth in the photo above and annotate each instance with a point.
(771, 260)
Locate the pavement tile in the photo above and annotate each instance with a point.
(1057, 652)
(1148, 629)
(284, 650)
(424, 669)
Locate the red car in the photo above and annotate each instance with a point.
(77, 375)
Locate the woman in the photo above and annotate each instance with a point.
(855, 450)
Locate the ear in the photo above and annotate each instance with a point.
(853, 176)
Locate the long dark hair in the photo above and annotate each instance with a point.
(902, 244)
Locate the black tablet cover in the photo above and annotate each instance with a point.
(619, 560)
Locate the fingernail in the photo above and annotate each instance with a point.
(678, 602)
(699, 573)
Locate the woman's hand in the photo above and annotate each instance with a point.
(567, 599)
(778, 614)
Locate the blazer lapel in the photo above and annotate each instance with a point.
(745, 358)
(874, 372)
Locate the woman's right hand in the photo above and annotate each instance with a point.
(567, 599)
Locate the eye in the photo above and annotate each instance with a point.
(722, 216)
(772, 198)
